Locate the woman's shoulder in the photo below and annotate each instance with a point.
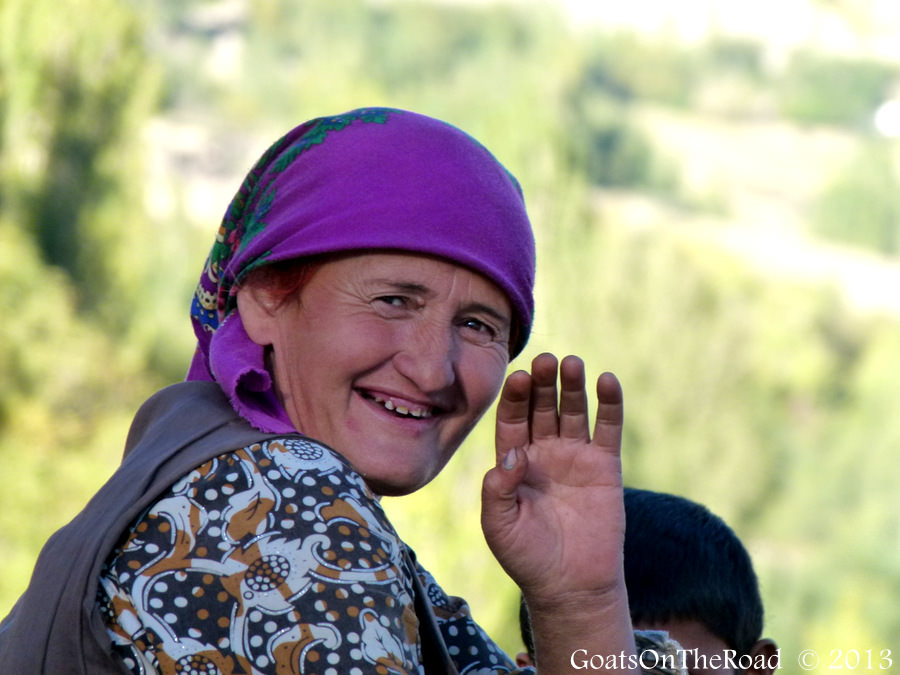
(187, 425)
(186, 415)
(281, 533)
(281, 493)
(304, 463)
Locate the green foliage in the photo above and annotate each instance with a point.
(64, 405)
(628, 67)
(846, 461)
(734, 55)
(819, 89)
(602, 141)
(861, 205)
(613, 152)
(446, 40)
(74, 94)
(69, 174)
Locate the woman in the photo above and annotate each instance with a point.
(369, 284)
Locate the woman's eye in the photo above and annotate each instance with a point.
(480, 327)
(393, 300)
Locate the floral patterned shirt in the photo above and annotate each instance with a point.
(275, 558)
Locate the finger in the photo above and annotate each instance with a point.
(610, 414)
(573, 400)
(499, 499)
(513, 408)
(544, 401)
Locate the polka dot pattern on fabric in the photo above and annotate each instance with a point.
(274, 558)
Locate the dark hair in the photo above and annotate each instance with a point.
(683, 562)
(525, 627)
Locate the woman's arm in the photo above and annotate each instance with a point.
(553, 514)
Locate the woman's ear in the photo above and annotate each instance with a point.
(258, 309)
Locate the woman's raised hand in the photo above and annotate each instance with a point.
(552, 508)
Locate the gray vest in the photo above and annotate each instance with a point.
(56, 628)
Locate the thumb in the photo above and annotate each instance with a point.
(499, 496)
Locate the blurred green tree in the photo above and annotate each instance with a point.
(861, 204)
(75, 93)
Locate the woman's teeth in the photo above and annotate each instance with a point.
(402, 409)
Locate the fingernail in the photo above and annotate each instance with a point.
(509, 461)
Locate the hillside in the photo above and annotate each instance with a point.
(763, 176)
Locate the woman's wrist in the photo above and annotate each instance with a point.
(592, 627)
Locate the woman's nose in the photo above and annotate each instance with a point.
(427, 358)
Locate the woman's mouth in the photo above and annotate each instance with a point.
(400, 409)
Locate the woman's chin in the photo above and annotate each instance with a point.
(394, 487)
(399, 480)
(393, 466)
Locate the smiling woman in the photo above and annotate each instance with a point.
(392, 357)
(355, 318)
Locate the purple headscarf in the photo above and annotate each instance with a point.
(373, 178)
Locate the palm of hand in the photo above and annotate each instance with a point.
(552, 510)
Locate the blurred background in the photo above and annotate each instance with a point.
(714, 190)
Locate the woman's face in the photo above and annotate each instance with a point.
(389, 358)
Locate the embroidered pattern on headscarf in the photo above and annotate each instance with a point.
(213, 299)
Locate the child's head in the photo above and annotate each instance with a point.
(687, 573)
(684, 563)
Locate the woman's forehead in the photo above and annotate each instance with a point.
(411, 271)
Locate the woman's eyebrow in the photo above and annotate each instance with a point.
(405, 286)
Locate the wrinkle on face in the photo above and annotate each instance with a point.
(413, 329)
